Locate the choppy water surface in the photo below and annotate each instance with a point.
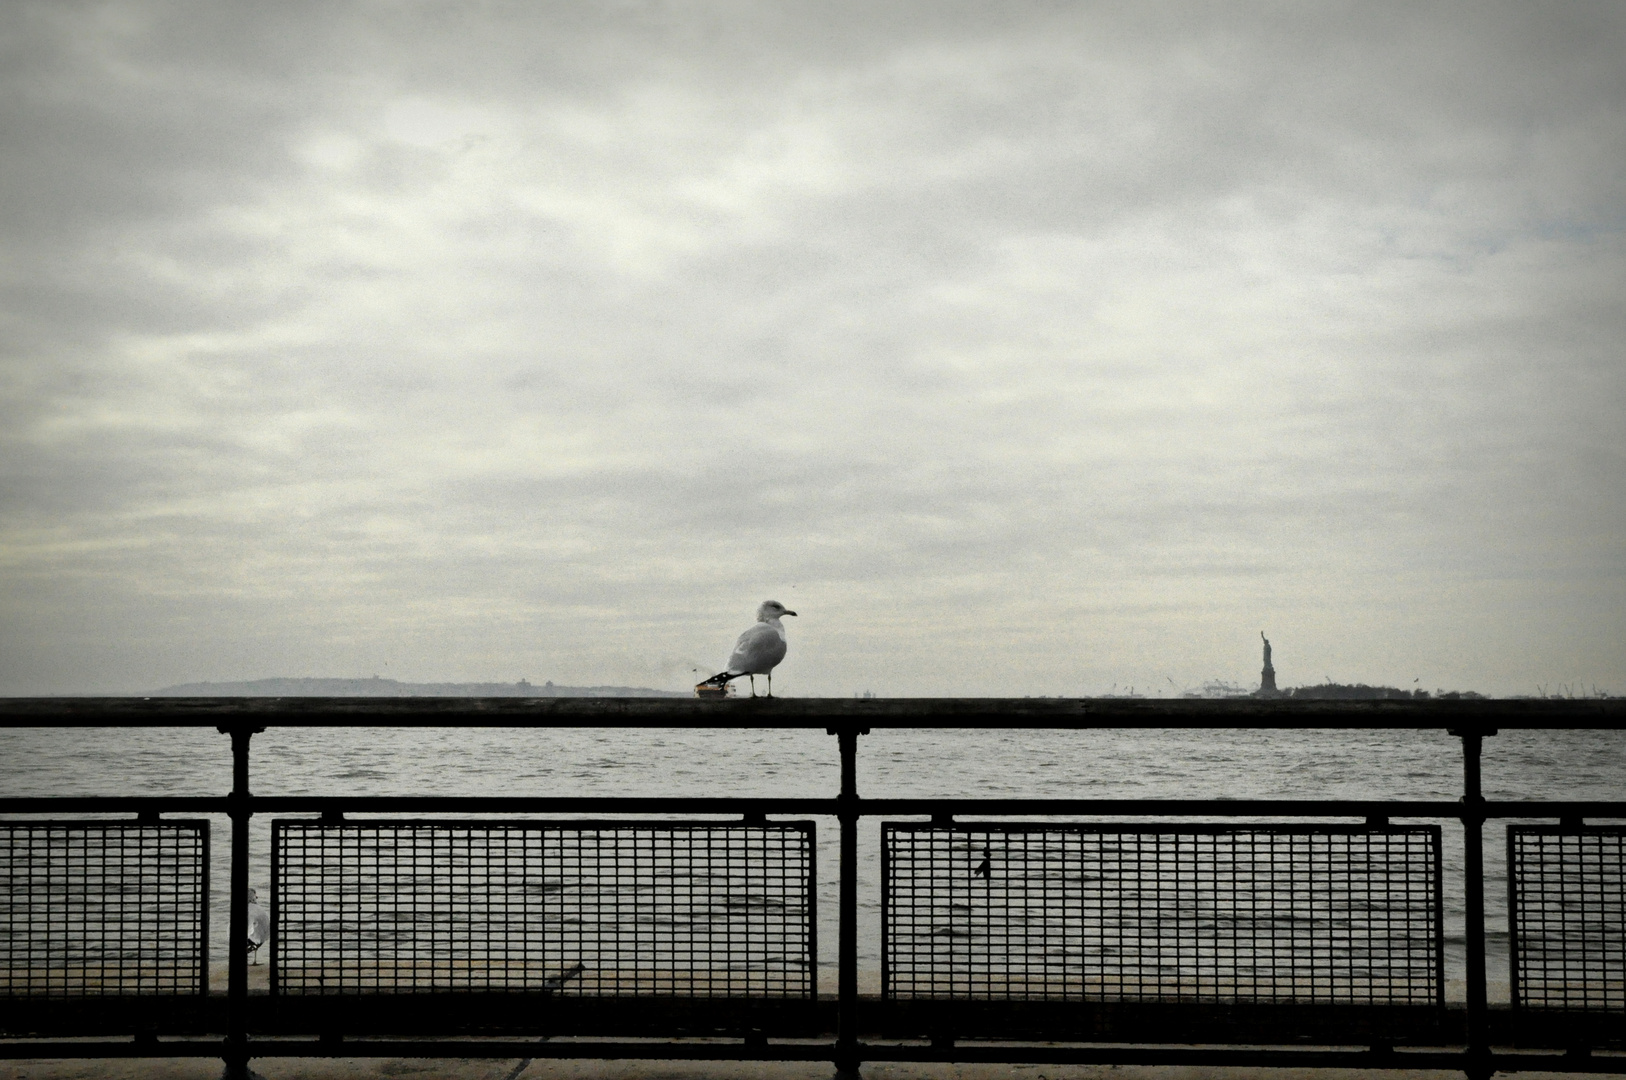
(1087, 764)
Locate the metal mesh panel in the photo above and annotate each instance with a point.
(103, 907)
(1567, 917)
(583, 908)
(1147, 913)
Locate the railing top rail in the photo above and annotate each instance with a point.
(765, 713)
(827, 805)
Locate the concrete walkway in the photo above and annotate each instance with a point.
(464, 1069)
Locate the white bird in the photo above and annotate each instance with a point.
(259, 925)
(759, 649)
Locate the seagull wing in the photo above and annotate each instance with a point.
(259, 924)
(758, 650)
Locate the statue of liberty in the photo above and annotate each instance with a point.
(1267, 677)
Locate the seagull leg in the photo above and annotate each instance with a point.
(753, 684)
(770, 684)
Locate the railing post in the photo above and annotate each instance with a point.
(846, 1059)
(1473, 850)
(236, 1055)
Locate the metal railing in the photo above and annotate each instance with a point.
(1163, 913)
(621, 933)
(595, 908)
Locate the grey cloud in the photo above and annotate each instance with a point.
(500, 331)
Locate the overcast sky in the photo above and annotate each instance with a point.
(1021, 348)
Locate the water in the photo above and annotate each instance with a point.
(1423, 765)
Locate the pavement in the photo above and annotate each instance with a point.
(552, 1069)
(511, 1069)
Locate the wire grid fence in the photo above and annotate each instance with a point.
(93, 908)
(1149, 913)
(1567, 917)
(585, 908)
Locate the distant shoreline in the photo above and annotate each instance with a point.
(377, 687)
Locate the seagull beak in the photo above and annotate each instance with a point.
(790, 613)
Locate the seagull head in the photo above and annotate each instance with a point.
(772, 609)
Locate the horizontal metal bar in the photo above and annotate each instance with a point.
(730, 1050)
(111, 1048)
(771, 713)
(116, 804)
(543, 804)
(736, 1050)
(1240, 808)
(519, 804)
(719, 1050)
(974, 1053)
(393, 804)
(971, 1053)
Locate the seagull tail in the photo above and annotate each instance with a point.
(722, 678)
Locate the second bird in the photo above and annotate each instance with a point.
(759, 649)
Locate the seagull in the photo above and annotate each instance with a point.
(759, 649)
(259, 925)
(559, 980)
